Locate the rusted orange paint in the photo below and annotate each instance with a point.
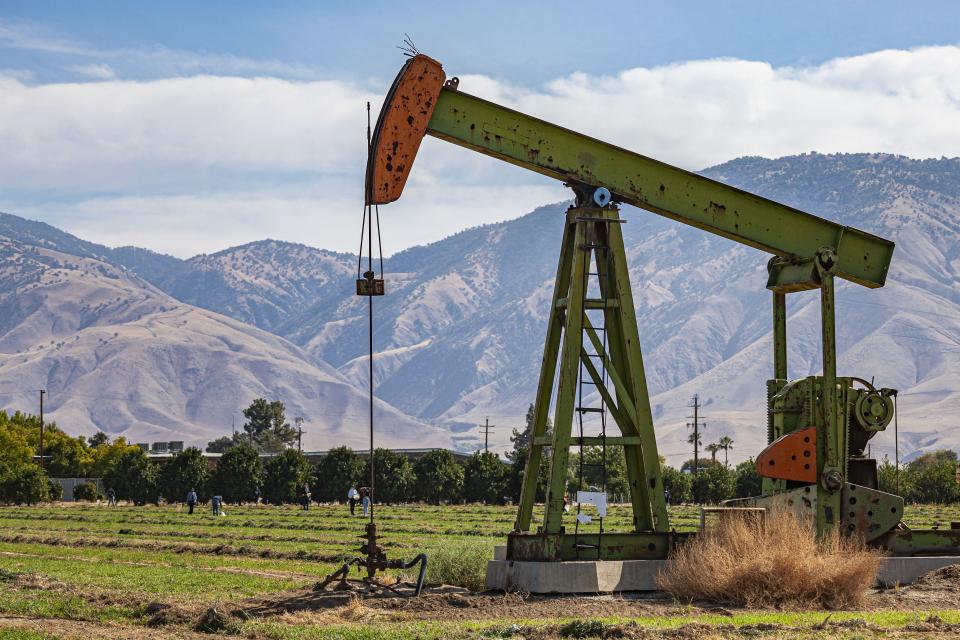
(791, 457)
(401, 126)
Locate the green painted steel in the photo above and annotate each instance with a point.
(779, 336)
(548, 372)
(831, 461)
(922, 542)
(557, 152)
(592, 233)
(538, 547)
(567, 385)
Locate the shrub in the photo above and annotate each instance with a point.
(393, 475)
(747, 481)
(931, 478)
(26, 484)
(184, 471)
(484, 478)
(678, 484)
(284, 476)
(54, 490)
(133, 477)
(713, 485)
(774, 562)
(438, 477)
(462, 564)
(85, 491)
(238, 475)
(336, 472)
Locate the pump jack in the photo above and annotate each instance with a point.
(817, 428)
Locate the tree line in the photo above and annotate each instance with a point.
(242, 475)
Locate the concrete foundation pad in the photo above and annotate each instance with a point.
(894, 571)
(574, 576)
(607, 576)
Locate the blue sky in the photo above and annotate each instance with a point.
(188, 127)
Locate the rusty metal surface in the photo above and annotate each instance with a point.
(921, 542)
(869, 513)
(791, 457)
(539, 547)
(401, 125)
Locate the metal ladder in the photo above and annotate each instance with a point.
(595, 251)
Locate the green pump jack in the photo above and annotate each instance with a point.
(592, 334)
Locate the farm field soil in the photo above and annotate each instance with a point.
(89, 571)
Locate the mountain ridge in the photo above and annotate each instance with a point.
(459, 333)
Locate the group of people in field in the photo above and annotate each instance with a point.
(362, 495)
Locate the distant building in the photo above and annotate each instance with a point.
(166, 450)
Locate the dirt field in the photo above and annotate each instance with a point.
(93, 572)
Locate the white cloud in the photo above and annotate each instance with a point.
(229, 159)
(94, 71)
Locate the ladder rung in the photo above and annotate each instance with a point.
(590, 410)
(593, 303)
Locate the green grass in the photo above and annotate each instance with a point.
(111, 561)
(22, 634)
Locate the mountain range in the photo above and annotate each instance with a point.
(155, 347)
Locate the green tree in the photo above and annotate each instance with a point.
(68, 457)
(713, 484)
(746, 480)
(484, 478)
(238, 475)
(678, 484)
(932, 478)
(887, 477)
(284, 475)
(712, 449)
(439, 477)
(726, 443)
(98, 439)
(518, 460)
(393, 476)
(133, 477)
(267, 428)
(222, 443)
(336, 472)
(54, 490)
(184, 471)
(85, 491)
(25, 484)
(704, 464)
(15, 449)
(106, 456)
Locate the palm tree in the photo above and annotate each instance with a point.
(713, 447)
(726, 443)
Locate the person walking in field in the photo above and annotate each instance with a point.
(305, 498)
(111, 498)
(365, 500)
(192, 500)
(352, 496)
(215, 503)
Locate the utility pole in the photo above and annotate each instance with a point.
(299, 422)
(696, 424)
(42, 393)
(487, 427)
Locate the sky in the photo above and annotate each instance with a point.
(188, 127)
